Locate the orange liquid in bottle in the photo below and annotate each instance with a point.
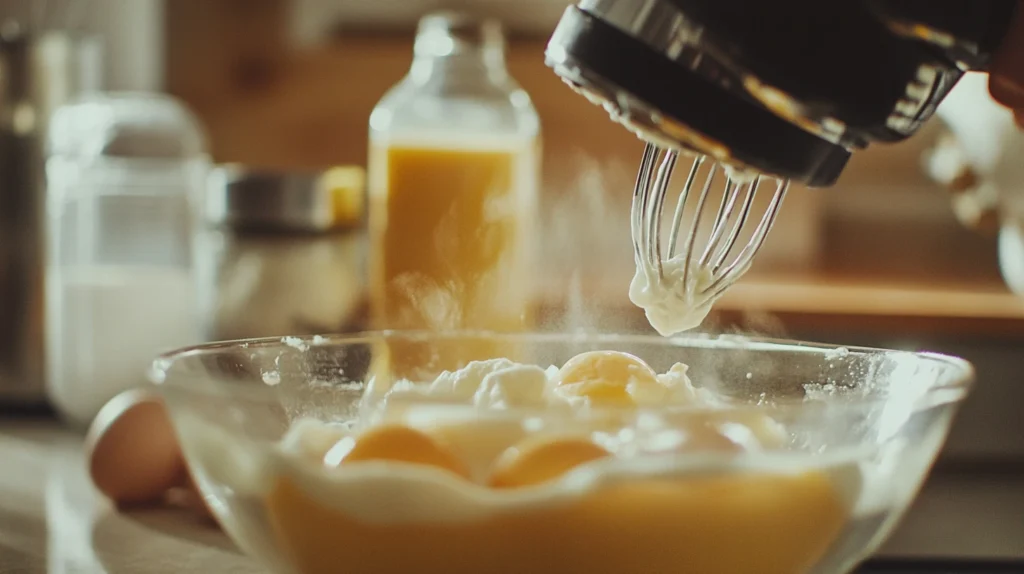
(450, 228)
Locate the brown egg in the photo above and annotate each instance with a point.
(132, 451)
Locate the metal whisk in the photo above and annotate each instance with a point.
(706, 270)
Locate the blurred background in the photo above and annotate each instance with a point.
(287, 87)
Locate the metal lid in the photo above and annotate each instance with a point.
(266, 200)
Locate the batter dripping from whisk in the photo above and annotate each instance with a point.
(677, 292)
(671, 306)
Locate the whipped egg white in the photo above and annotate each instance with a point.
(673, 301)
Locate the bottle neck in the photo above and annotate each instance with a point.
(481, 65)
(457, 48)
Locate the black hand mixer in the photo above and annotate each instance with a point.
(770, 91)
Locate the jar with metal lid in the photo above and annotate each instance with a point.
(281, 253)
(123, 171)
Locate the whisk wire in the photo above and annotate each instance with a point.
(725, 208)
(654, 213)
(691, 238)
(677, 217)
(640, 200)
(746, 256)
(732, 218)
(751, 190)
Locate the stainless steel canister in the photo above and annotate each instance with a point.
(37, 74)
(282, 253)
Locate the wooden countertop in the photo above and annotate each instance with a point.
(52, 520)
(836, 303)
(838, 297)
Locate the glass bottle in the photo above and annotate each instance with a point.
(453, 178)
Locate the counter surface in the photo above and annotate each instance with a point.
(52, 520)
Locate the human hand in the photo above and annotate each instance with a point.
(1006, 74)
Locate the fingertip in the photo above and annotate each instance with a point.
(1006, 73)
(1006, 91)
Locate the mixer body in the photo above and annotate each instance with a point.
(789, 88)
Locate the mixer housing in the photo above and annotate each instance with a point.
(788, 88)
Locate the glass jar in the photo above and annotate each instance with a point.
(453, 177)
(281, 254)
(122, 173)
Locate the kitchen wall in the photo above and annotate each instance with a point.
(133, 39)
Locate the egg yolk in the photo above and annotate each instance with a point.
(603, 377)
(536, 462)
(399, 444)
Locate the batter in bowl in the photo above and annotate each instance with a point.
(600, 465)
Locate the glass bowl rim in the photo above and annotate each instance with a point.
(954, 390)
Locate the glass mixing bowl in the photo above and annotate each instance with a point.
(869, 421)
